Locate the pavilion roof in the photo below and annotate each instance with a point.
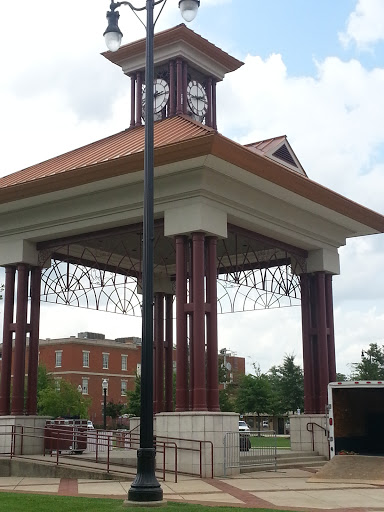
(175, 139)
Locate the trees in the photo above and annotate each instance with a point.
(65, 401)
(288, 383)
(134, 398)
(253, 394)
(371, 365)
(114, 410)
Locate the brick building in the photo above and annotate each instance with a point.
(89, 358)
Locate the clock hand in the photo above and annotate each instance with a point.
(198, 97)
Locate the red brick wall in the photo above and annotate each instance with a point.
(72, 369)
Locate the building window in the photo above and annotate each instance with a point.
(85, 359)
(57, 383)
(138, 369)
(85, 386)
(123, 387)
(105, 361)
(124, 362)
(58, 358)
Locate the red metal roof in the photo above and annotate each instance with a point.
(267, 144)
(128, 142)
(176, 139)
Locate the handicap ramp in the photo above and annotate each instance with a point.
(359, 469)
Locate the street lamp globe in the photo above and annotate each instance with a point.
(113, 34)
(79, 388)
(189, 9)
(105, 384)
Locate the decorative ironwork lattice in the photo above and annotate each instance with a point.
(104, 272)
(91, 288)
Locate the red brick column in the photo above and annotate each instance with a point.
(169, 352)
(33, 361)
(308, 361)
(318, 339)
(331, 329)
(322, 345)
(199, 380)
(212, 348)
(159, 353)
(20, 340)
(5, 381)
(182, 402)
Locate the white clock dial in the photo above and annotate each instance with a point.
(161, 94)
(160, 97)
(197, 98)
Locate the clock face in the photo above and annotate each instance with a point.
(161, 94)
(160, 97)
(197, 98)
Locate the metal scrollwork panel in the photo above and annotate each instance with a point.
(91, 288)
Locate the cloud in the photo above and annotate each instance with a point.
(333, 120)
(365, 25)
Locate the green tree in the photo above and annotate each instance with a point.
(341, 377)
(114, 410)
(134, 398)
(44, 379)
(371, 366)
(288, 384)
(63, 402)
(227, 398)
(254, 394)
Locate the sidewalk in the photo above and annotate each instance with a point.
(268, 489)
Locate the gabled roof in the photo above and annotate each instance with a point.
(278, 149)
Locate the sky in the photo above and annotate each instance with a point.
(313, 71)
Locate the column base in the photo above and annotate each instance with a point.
(302, 440)
(29, 444)
(196, 426)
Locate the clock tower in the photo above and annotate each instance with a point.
(187, 68)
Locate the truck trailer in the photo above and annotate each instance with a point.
(356, 418)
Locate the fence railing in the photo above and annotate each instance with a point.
(63, 441)
(249, 449)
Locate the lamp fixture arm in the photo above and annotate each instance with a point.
(116, 5)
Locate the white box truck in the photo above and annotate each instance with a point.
(356, 417)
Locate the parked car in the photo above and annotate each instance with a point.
(243, 427)
(265, 424)
(90, 425)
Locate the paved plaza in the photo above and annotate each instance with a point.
(288, 489)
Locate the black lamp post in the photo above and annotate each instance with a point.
(105, 387)
(145, 487)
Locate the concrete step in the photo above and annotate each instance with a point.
(289, 454)
(286, 460)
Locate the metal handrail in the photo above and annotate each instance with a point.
(311, 424)
(58, 435)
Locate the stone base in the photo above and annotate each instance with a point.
(301, 438)
(198, 426)
(32, 443)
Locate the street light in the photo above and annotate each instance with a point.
(79, 388)
(105, 387)
(145, 487)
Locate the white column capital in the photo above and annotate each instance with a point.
(323, 260)
(195, 217)
(18, 251)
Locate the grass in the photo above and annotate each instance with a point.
(40, 503)
(281, 442)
